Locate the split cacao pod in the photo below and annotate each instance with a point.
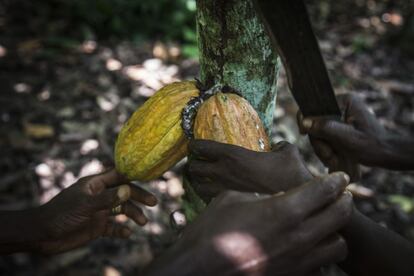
(229, 118)
(152, 140)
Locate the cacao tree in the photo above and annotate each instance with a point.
(236, 51)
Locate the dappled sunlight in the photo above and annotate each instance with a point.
(121, 218)
(44, 94)
(394, 18)
(166, 52)
(170, 184)
(22, 88)
(143, 91)
(55, 176)
(47, 195)
(92, 167)
(88, 46)
(113, 64)
(43, 170)
(108, 102)
(111, 271)
(153, 73)
(3, 51)
(174, 184)
(89, 146)
(159, 185)
(48, 172)
(67, 179)
(243, 250)
(154, 228)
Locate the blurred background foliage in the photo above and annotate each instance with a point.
(65, 23)
(397, 14)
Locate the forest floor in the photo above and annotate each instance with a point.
(61, 110)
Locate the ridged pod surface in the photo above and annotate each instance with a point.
(152, 140)
(229, 118)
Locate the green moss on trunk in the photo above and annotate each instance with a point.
(235, 50)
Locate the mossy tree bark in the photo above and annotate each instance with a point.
(235, 51)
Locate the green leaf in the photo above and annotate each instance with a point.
(191, 5)
(190, 35)
(405, 203)
(190, 51)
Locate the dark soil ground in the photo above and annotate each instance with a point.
(61, 109)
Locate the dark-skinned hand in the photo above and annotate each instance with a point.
(216, 167)
(82, 213)
(245, 234)
(362, 138)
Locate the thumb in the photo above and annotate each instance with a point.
(211, 150)
(110, 198)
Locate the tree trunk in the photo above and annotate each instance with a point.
(236, 51)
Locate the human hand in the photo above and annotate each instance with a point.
(82, 212)
(217, 167)
(361, 137)
(241, 233)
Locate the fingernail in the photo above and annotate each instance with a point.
(123, 193)
(307, 123)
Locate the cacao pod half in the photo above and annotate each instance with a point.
(229, 118)
(152, 140)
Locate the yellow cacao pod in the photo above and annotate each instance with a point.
(228, 118)
(152, 140)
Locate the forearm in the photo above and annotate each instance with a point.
(399, 153)
(20, 231)
(374, 250)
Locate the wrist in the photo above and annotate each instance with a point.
(33, 224)
(21, 232)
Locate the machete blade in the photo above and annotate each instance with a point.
(290, 29)
(289, 26)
